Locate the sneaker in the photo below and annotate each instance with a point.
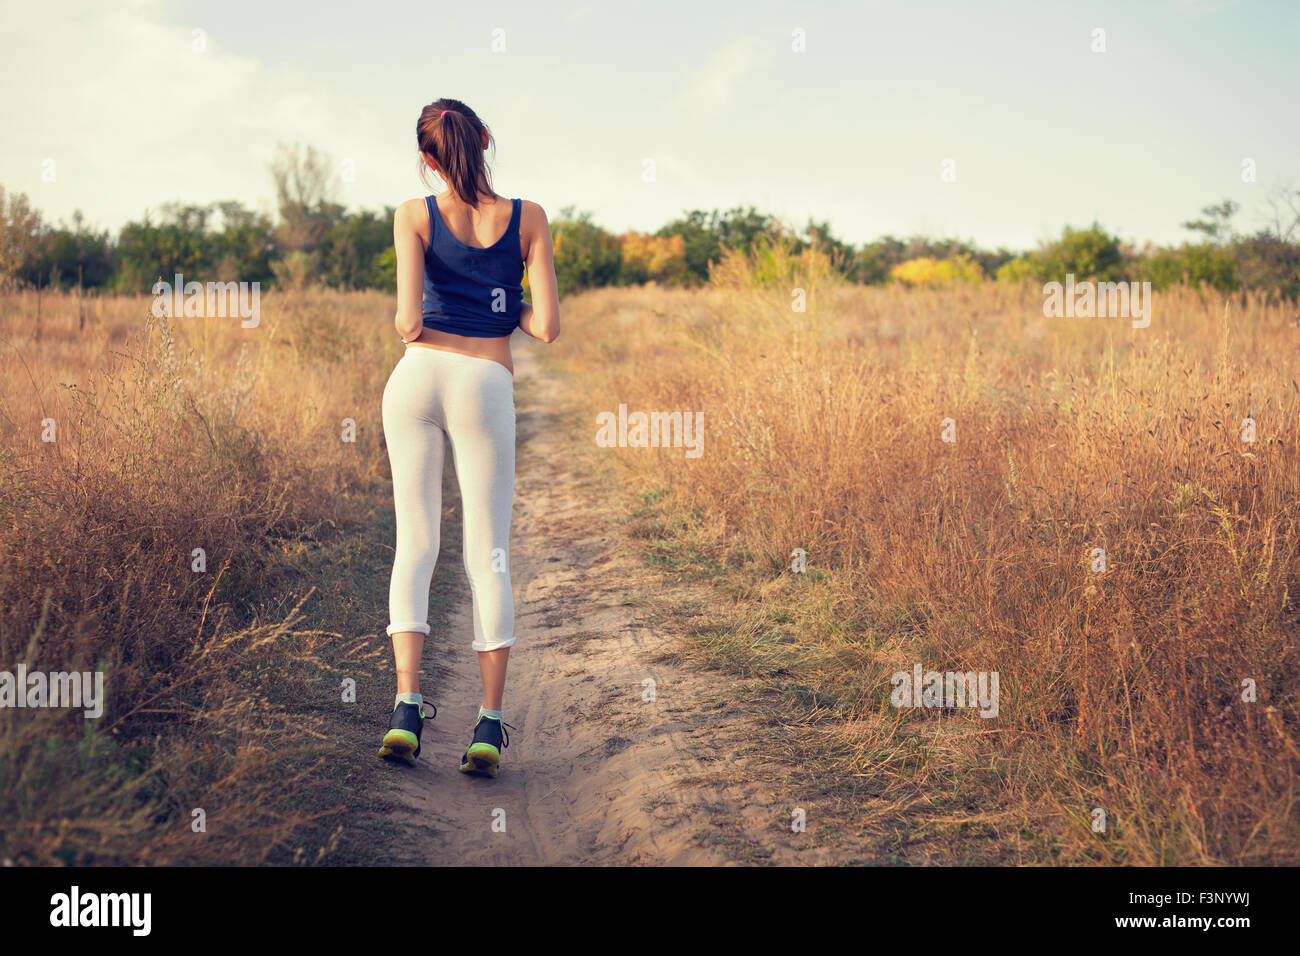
(402, 742)
(484, 754)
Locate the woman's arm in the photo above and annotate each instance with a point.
(409, 247)
(541, 319)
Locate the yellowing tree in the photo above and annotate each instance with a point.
(936, 272)
(651, 258)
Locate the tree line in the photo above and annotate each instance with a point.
(313, 240)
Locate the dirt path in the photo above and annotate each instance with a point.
(596, 774)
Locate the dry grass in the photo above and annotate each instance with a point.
(822, 431)
(174, 435)
(1120, 690)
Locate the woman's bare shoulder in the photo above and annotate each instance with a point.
(531, 210)
(532, 218)
(411, 212)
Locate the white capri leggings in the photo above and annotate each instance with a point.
(433, 400)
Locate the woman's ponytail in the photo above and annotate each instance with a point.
(450, 134)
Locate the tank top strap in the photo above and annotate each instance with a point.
(433, 217)
(516, 220)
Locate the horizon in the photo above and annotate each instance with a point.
(971, 132)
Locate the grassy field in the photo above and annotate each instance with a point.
(1121, 690)
(171, 436)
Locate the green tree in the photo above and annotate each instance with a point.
(245, 246)
(705, 234)
(874, 260)
(21, 236)
(178, 243)
(841, 254)
(350, 246)
(383, 271)
(1089, 253)
(1267, 261)
(75, 256)
(1217, 224)
(586, 256)
(1194, 263)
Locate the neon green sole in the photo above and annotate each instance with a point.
(399, 745)
(482, 758)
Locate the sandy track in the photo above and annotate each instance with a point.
(595, 774)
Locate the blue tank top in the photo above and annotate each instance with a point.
(468, 290)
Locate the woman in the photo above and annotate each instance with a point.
(460, 262)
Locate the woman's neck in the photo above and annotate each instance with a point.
(452, 196)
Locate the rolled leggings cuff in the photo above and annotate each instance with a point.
(493, 645)
(401, 628)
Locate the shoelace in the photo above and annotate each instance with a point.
(420, 710)
(505, 737)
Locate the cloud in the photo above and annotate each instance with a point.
(127, 104)
(713, 89)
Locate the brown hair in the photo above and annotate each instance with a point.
(451, 134)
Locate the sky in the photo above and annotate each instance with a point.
(994, 122)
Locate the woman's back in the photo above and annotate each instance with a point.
(461, 256)
(473, 274)
(480, 227)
